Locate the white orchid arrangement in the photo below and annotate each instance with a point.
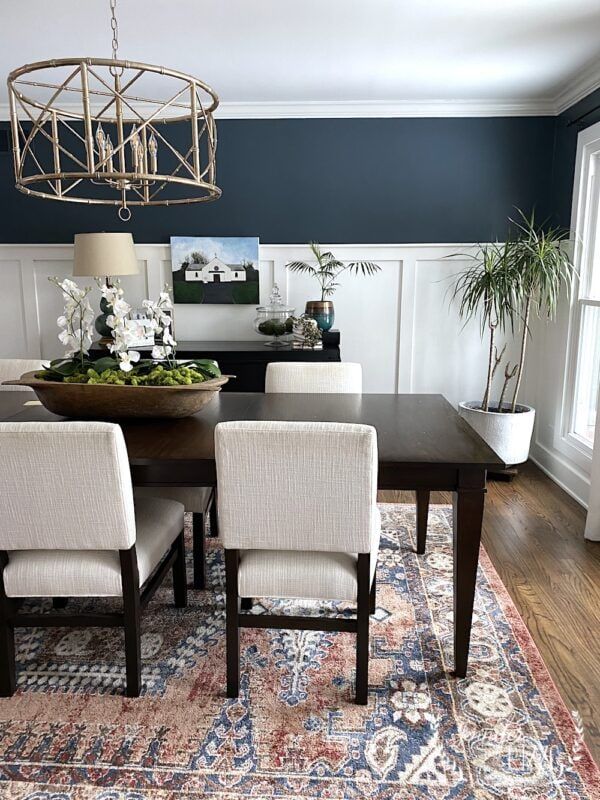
(77, 321)
(124, 333)
(125, 365)
(160, 323)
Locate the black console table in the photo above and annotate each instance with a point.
(247, 360)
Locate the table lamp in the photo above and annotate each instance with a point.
(104, 255)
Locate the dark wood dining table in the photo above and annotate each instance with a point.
(423, 445)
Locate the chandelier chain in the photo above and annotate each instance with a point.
(115, 28)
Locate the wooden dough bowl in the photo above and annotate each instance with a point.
(110, 401)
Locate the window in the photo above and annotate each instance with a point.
(587, 374)
(585, 319)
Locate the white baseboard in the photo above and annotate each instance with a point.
(570, 479)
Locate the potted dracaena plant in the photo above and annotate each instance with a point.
(327, 272)
(506, 285)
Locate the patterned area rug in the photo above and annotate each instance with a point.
(69, 734)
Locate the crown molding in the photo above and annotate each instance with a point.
(587, 82)
(342, 109)
(575, 90)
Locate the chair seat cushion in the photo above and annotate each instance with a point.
(195, 499)
(95, 573)
(306, 574)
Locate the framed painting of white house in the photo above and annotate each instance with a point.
(215, 270)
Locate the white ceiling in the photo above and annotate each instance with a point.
(335, 57)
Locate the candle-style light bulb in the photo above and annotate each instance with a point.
(109, 154)
(136, 150)
(153, 150)
(101, 144)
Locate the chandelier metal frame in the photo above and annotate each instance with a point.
(99, 95)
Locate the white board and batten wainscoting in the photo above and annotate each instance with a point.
(398, 324)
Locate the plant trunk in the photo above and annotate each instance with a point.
(522, 358)
(502, 393)
(509, 374)
(488, 386)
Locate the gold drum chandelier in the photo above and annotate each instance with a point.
(89, 130)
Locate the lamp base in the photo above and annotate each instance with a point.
(100, 323)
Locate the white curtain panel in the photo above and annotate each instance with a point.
(592, 525)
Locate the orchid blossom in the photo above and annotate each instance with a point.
(161, 323)
(78, 319)
(127, 360)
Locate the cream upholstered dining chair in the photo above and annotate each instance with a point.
(69, 528)
(11, 369)
(202, 503)
(298, 519)
(326, 377)
(329, 377)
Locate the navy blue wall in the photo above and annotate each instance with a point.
(335, 180)
(565, 150)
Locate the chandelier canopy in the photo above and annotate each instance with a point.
(92, 130)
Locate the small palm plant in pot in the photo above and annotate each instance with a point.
(506, 285)
(327, 271)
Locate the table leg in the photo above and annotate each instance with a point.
(422, 514)
(468, 504)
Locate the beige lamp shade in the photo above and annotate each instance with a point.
(104, 255)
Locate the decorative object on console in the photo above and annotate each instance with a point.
(122, 384)
(215, 270)
(504, 284)
(327, 272)
(142, 333)
(104, 255)
(307, 333)
(119, 150)
(322, 311)
(276, 319)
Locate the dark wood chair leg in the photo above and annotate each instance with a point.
(131, 619)
(232, 626)
(179, 574)
(214, 516)
(246, 604)
(59, 602)
(362, 629)
(468, 517)
(423, 496)
(8, 674)
(373, 596)
(199, 553)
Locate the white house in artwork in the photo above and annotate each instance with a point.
(216, 271)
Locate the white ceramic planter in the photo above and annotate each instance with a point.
(509, 435)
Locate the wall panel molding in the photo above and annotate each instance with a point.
(382, 324)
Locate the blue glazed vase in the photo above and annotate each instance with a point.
(322, 312)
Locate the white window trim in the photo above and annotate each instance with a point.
(588, 145)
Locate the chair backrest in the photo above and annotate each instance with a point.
(65, 486)
(296, 485)
(323, 377)
(11, 369)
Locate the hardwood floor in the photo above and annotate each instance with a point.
(533, 532)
